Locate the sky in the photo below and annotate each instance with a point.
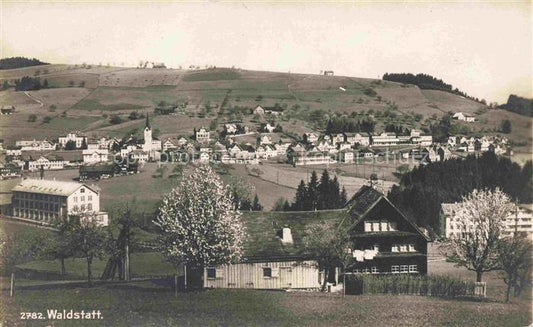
(482, 48)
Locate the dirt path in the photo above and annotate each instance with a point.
(41, 104)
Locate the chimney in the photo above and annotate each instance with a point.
(287, 236)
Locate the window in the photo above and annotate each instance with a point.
(412, 248)
(375, 226)
(267, 272)
(82, 198)
(392, 226)
(82, 190)
(368, 226)
(403, 248)
(374, 270)
(75, 199)
(211, 273)
(90, 206)
(82, 207)
(89, 198)
(395, 269)
(365, 270)
(413, 268)
(395, 248)
(404, 269)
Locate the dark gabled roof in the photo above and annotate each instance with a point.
(362, 201)
(264, 232)
(365, 199)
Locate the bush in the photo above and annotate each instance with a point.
(47, 119)
(32, 118)
(115, 119)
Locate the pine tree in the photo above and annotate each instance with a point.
(256, 206)
(323, 196)
(300, 199)
(333, 194)
(311, 197)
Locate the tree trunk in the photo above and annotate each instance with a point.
(89, 272)
(479, 276)
(508, 293)
(63, 269)
(324, 282)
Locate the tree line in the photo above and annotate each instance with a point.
(425, 81)
(28, 83)
(344, 124)
(315, 195)
(421, 191)
(19, 62)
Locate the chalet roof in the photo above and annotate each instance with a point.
(365, 199)
(44, 186)
(264, 232)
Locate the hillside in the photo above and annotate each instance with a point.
(85, 97)
(19, 62)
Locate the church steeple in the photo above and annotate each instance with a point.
(147, 123)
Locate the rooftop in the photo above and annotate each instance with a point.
(48, 187)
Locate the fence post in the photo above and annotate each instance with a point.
(12, 287)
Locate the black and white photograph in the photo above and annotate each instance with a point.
(266, 163)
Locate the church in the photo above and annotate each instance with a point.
(151, 146)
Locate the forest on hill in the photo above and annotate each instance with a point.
(428, 82)
(519, 105)
(19, 62)
(422, 190)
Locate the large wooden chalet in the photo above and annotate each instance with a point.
(384, 242)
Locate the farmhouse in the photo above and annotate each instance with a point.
(260, 111)
(9, 170)
(33, 145)
(464, 117)
(44, 200)
(384, 242)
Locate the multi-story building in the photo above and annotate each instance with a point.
(75, 137)
(34, 145)
(203, 135)
(45, 200)
(519, 221)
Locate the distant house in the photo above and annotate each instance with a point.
(346, 156)
(265, 140)
(49, 162)
(259, 111)
(170, 144)
(310, 138)
(328, 73)
(9, 170)
(452, 141)
(203, 135)
(34, 145)
(7, 110)
(464, 117)
(384, 139)
(91, 156)
(358, 139)
(276, 110)
(230, 128)
(269, 128)
(520, 221)
(97, 172)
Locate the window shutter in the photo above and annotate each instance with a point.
(219, 273)
(275, 272)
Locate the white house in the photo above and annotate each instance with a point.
(51, 163)
(91, 156)
(259, 111)
(34, 145)
(265, 140)
(45, 200)
(464, 117)
(358, 139)
(385, 139)
(269, 128)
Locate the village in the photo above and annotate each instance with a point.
(266, 164)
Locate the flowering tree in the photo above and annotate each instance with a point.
(199, 224)
(326, 243)
(480, 217)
